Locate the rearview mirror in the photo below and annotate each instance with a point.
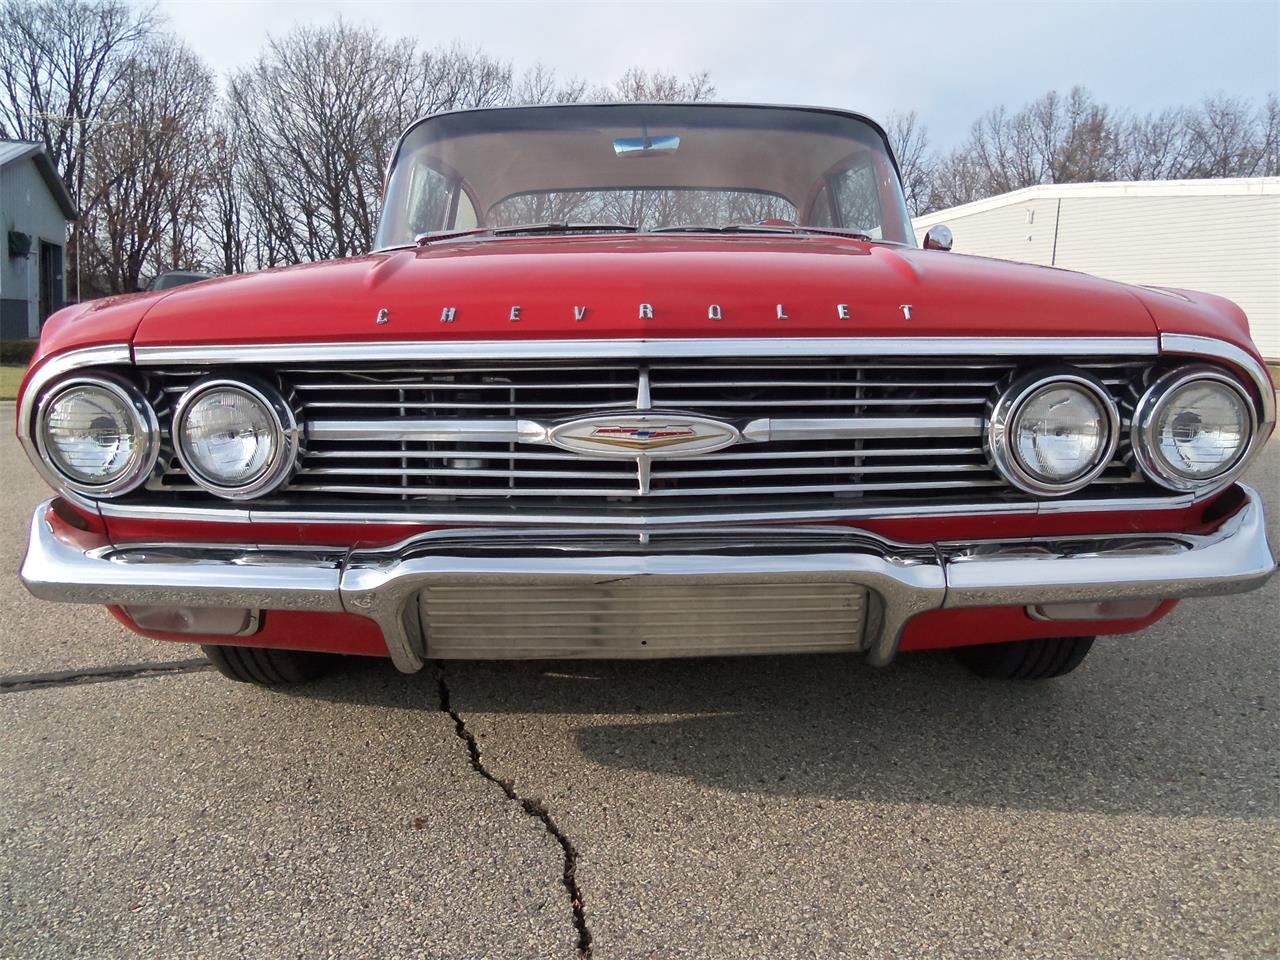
(645, 146)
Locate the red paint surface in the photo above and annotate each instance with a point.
(679, 276)
(941, 629)
(904, 530)
(344, 633)
(131, 530)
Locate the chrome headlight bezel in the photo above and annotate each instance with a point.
(145, 425)
(1153, 402)
(1002, 424)
(285, 436)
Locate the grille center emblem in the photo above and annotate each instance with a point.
(643, 435)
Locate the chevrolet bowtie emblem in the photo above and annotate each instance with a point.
(643, 435)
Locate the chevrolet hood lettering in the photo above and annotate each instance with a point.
(651, 435)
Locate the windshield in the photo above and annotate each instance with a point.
(643, 167)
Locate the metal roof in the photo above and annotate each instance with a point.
(11, 151)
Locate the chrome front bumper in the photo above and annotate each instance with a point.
(899, 580)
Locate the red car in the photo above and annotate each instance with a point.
(646, 380)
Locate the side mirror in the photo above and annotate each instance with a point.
(938, 237)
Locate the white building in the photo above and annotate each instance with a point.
(1219, 236)
(35, 209)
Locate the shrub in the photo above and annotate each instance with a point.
(17, 352)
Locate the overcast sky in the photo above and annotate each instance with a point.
(948, 61)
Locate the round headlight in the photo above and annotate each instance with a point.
(99, 434)
(1052, 433)
(235, 439)
(1192, 428)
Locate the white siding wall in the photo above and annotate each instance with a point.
(1222, 243)
(1228, 245)
(27, 206)
(1019, 231)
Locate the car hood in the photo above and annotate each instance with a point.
(642, 287)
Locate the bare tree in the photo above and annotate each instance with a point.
(910, 142)
(957, 178)
(540, 84)
(1224, 139)
(1154, 146)
(60, 62)
(315, 116)
(456, 77)
(224, 216)
(640, 85)
(1269, 120)
(146, 168)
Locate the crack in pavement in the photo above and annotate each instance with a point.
(531, 806)
(128, 671)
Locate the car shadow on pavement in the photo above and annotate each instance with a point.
(921, 731)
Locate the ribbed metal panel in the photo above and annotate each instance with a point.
(640, 617)
(453, 431)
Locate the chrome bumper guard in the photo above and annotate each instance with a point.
(901, 580)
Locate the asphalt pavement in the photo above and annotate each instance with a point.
(771, 807)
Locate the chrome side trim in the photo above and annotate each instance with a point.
(383, 584)
(645, 349)
(1185, 343)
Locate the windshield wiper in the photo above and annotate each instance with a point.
(520, 228)
(566, 228)
(761, 228)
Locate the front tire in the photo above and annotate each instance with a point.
(1026, 659)
(265, 667)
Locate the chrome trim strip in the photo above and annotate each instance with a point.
(646, 349)
(476, 517)
(462, 431)
(382, 584)
(1185, 343)
(857, 428)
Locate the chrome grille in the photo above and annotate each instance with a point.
(837, 430)
(640, 617)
